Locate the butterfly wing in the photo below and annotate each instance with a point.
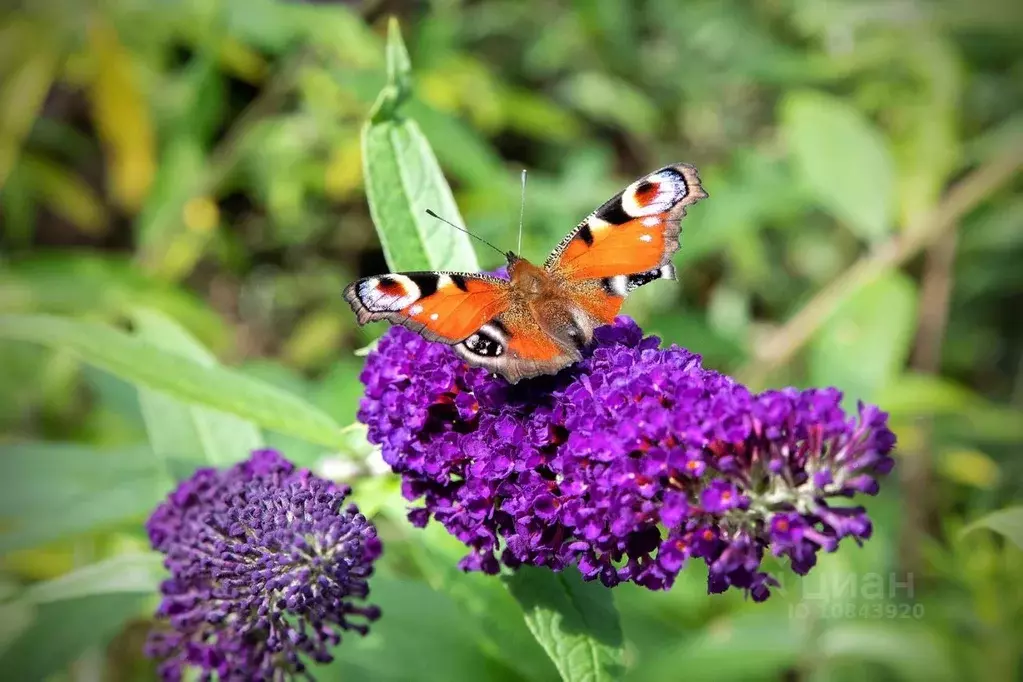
(476, 314)
(442, 306)
(515, 345)
(602, 298)
(627, 242)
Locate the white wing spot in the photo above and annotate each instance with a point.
(378, 301)
(620, 285)
(651, 221)
(416, 309)
(434, 316)
(646, 238)
(668, 191)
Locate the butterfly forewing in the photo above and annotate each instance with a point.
(636, 231)
(442, 306)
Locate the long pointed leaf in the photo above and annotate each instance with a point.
(146, 365)
(403, 179)
(182, 432)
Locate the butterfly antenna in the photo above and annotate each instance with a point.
(460, 229)
(522, 209)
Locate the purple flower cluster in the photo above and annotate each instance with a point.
(626, 464)
(264, 565)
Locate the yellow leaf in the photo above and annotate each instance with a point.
(201, 214)
(439, 90)
(240, 61)
(179, 257)
(315, 339)
(122, 118)
(343, 174)
(969, 467)
(65, 194)
(41, 563)
(22, 90)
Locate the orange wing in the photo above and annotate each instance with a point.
(635, 232)
(602, 298)
(474, 313)
(442, 306)
(516, 346)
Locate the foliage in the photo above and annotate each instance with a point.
(184, 195)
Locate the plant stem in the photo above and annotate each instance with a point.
(960, 200)
(917, 472)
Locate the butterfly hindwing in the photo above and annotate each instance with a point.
(442, 306)
(516, 346)
(636, 231)
(602, 298)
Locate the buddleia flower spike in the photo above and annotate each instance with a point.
(268, 567)
(627, 464)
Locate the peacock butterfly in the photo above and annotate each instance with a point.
(539, 320)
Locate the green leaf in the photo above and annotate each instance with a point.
(275, 28)
(63, 630)
(740, 647)
(399, 76)
(78, 282)
(399, 66)
(490, 609)
(461, 149)
(612, 101)
(403, 179)
(144, 364)
(843, 159)
(78, 610)
(49, 491)
(926, 394)
(867, 338)
(926, 144)
(15, 618)
(139, 573)
(23, 89)
(914, 654)
(1006, 522)
(182, 433)
(574, 621)
(160, 220)
(65, 193)
(339, 391)
(423, 636)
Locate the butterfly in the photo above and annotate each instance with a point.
(540, 319)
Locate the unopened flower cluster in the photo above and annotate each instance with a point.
(626, 465)
(266, 564)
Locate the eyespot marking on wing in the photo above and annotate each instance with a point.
(634, 231)
(489, 342)
(656, 193)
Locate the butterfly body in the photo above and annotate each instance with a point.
(541, 318)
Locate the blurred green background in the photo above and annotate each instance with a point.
(864, 230)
